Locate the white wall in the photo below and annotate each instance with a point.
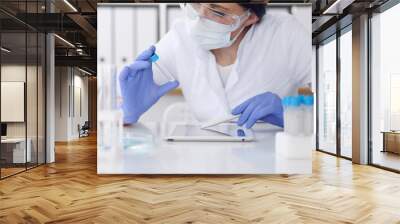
(70, 83)
(80, 110)
(12, 73)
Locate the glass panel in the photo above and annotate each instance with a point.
(346, 94)
(31, 88)
(41, 79)
(386, 89)
(327, 97)
(23, 89)
(41, 98)
(13, 87)
(31, 98)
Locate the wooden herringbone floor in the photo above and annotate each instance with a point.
(70, 191)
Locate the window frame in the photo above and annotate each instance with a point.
(334, 37)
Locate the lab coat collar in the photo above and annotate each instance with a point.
(214, 78)
(234, 76)
(207, 69)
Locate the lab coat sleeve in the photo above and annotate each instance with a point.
(166, 49)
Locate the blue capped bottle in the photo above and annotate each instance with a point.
(308, 108)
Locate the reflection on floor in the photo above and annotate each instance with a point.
(347, 152)
(10, 171)
(70, 191)
(387, 159)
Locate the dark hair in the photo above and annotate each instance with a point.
(256, 8)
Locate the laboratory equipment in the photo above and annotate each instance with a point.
(293, 146)
(308, 110)
(219, 133)
(292, 115)
(154, 58)
(296, 141)
(299, 114)
(109, 134)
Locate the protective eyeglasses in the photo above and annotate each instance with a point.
(217, 15)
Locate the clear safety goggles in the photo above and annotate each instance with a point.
(206, 10)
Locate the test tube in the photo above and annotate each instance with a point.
(154, 58)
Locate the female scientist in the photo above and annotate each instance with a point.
(228, 58)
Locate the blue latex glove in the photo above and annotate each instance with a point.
(139, 91)
(266, 107)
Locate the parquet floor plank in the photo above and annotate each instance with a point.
(70, 191)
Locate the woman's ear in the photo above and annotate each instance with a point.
(251, 20)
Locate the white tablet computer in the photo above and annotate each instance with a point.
(220, 133)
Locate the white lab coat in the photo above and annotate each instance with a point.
(274, 55)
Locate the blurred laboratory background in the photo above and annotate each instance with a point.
(125, 30)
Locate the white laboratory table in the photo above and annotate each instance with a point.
(146, 152)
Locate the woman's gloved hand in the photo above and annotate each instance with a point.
(139, 91)
(266, 107)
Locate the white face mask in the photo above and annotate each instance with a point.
(209, 34)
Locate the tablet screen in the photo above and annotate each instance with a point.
(192, 130)
(222, 132)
